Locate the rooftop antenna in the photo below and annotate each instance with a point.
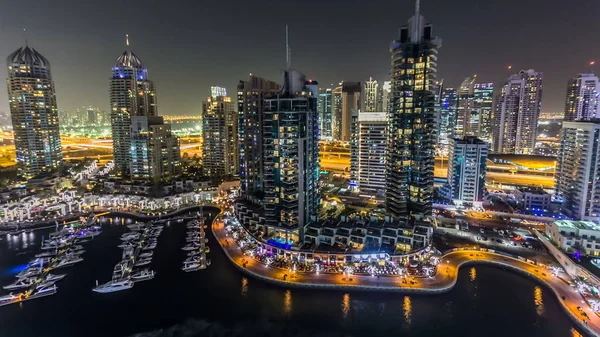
(288, 56)
(25, 35)
(127, 39)
(417, 5)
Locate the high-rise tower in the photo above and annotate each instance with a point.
(371, 95)
(411, 134)
(325, 118)
(131, 94)
(350, 103)
(33, 112)
(516, 113)
(582, 98)
(221, 143)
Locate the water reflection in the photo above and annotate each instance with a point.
(287, 302)
(345, 305)
(473, 274)
(21, 241)
(244, 286)
(538, 301)
(407, 309)
(575, 333)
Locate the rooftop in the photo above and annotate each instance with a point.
(578, 224)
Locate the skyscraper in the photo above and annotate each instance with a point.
(582, 98)
(516, 113)
(447, 117)
(480, 125)
(385, 96)
(155, 152)
(251, 96)
(220, 155)
(336, 111)
(33, 112)
(371, 95)
(467, 164)
(412, 117)
(464, 107)
(131, 94)
(325, 118)
(578, 171)
(291, 157)
(368, 149)
(350, 102)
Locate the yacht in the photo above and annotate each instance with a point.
(45, 284)
(68, 261)
(45, 254)
(130, 236)
(127, 244)
(113, 286)
(29, 272)
(150, 246)
(142, 275)
(191, 246)
(20, 283)
(192, 239)
(195, 258)
(146, 254)
(45, 291)
(158, 227)
(6, 299)
(142, 262)
(40, 261)
(193, 253)
(55, 277)
(136, 226)
(191, 266)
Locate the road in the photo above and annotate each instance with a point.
(442, 281)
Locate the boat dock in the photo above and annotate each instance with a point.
(196, 246)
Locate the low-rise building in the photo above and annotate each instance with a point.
(533, 199)
(573, 236)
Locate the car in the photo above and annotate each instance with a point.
(481, 230)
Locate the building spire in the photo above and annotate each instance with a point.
(25, 36)
(417, 5)
(127, 39)
(288, 56)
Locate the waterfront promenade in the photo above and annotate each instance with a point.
(444, 280)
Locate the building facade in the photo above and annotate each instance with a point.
(131, 94)
(464, 107)
(582, 98)
(155, 152)
(250, 100)
(368, 149)
(573, 236)
(412, 119)
(336, 112)
(371, 96)
(516, 113)
(220, 156)
(447, 118)
(480, 125)
(578, 170)
(386, 90)
(325, 117)
(291, 158)
(34, 115)
(350, 102)
(467, 165)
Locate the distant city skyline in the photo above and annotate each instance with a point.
(188, 55)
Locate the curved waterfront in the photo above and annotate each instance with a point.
(224, 301)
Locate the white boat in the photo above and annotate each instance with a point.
(130, 236)
(149, 246)
(159, 227)
(146, 254)
(68, 261)
(136, 226)
(9, 298)
(191, 266)
(195, 258)
(127, 244)
(193, 253)
(20, 283)
(29, 272)
(40, 261)
(113, 286)
(191, 246)
(55, 277)
(45, 291)
(45, 254)
(142, 262)
(45, 284)
(142, 275)
(88, 234)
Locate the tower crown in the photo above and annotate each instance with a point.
(29, 56)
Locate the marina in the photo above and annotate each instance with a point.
(196, 248)
(61, 250)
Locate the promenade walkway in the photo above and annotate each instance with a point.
(442, 281)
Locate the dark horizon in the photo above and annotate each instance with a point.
(189, 47)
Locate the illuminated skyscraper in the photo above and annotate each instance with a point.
(131, 94)
(481, 115)
(582, 98)
(516, 113)
(325, 118)
(385, 96)
(336, 112)
(371, 95)
(464, 107)
(251, 96)
(467, 162)
(412, 119)
(220, 156)
(447, 118)
(33, 112)
(368, 149)
(578, 171)
(350, 103)
(291, 157)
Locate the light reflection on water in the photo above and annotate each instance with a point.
(22, 241)
(244, 286)
(287, 302)
(345, 305)
(538, 301)
(407, 306)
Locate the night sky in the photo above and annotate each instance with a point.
(189, 46)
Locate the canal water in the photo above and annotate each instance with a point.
(221, 301)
